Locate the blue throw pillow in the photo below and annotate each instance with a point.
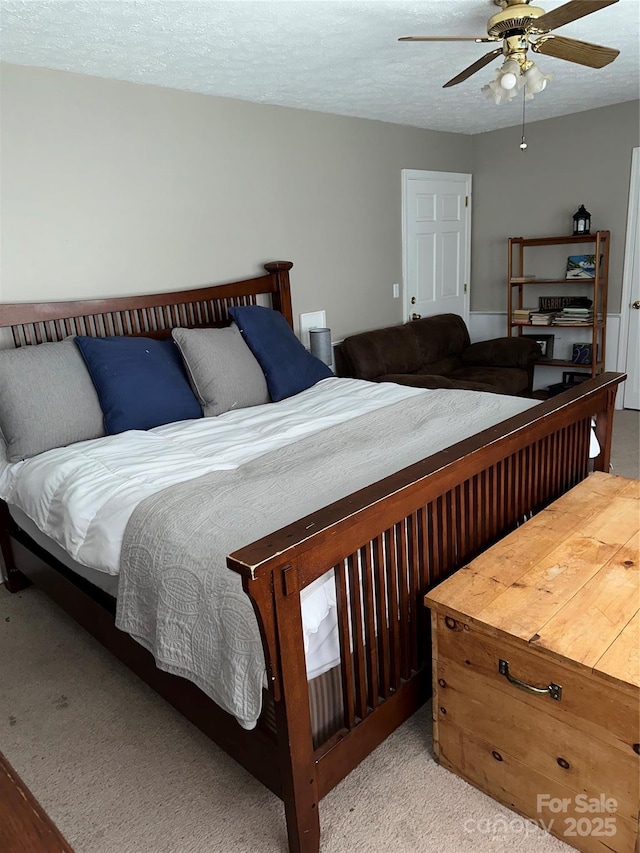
(286, 364)
(140, 382)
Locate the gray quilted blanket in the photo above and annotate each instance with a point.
(177, 597)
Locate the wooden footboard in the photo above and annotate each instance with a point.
(387, 544)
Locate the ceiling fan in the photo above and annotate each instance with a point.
(519, 27)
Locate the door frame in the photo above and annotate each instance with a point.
(629, 251)
(423, 175)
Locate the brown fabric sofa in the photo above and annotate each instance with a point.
(435, 352)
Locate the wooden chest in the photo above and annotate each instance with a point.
(536, 668)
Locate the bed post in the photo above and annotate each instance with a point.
(14, 579)
(604, 431)
(281, 298)
(276, 598)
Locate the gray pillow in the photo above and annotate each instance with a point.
(3, 454)
(223, 371)
(47, 399)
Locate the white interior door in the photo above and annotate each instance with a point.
(632, 385)
(629, 352)
(436, 229)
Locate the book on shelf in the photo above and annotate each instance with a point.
(518, 279)
(541, 319)
(571, 316)
(559, 303)
(521, 315)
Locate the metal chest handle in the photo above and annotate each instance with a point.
(553, 690)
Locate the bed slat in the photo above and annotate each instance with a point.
(356, 633)
(395, 649)
(371, 645)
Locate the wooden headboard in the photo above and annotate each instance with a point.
(153, 314)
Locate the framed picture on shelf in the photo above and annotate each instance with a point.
(545, 343)
(581, 266)
(571, 378)
(569, 381)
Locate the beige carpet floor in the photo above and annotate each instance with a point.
(625, 450)
(120, 771)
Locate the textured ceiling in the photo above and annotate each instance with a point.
(336, 57)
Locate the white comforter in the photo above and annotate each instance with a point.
(82, 496)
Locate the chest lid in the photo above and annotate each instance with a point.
(566, 581)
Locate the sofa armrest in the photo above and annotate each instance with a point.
(503, 352)
(368, 355)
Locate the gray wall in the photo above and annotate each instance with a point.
(113, 188)
(584, 158)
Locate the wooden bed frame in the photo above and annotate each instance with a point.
(388, 544)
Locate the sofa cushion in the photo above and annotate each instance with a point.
(503, 352)
(393, 350)
(501, 380)
(434, 381)
(444, 366)
(440, 336)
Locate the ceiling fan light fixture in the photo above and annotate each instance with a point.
(509, 76)
(508, 80)
(507, 83)
(498, 93)
(535, 81)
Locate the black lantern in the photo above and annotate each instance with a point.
(581, 221)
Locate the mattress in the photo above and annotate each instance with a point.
(107, 583)
(322, 652)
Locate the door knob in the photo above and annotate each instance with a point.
(636, 304)
(413, 300)
(416, 316)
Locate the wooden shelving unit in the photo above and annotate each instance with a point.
(595, 288)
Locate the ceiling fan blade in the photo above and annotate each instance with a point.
(568, 12)
(582, 52)
(477, 39)
(477, 65)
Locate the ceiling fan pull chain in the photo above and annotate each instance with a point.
(523, 144)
